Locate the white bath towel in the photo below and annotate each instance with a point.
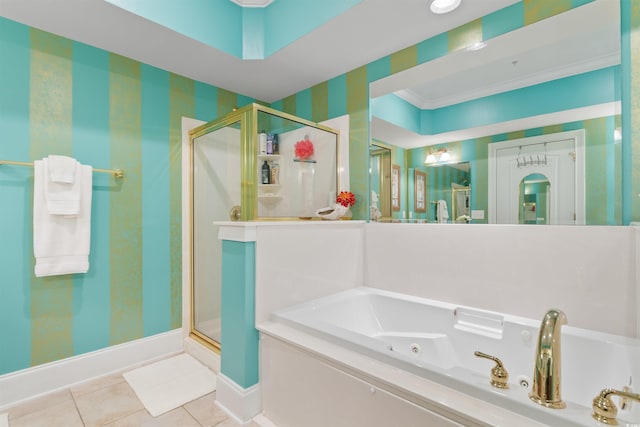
(62, 185)
(62, 168)
(61, 243)
(442, 212)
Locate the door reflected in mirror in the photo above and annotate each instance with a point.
(535, 199)
(380, 182)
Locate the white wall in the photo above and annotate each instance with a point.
(589, 272)
(297, 262)
(341, 124)
(292, 177)
(304, 187)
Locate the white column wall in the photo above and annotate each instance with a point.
(300, 261)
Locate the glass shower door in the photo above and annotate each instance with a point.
(216, 178)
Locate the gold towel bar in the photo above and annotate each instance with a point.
(118, 173)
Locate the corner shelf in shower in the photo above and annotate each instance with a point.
(268, 193)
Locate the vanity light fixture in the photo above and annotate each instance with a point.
(441, 156)
(444, 6)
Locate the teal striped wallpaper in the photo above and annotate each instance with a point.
(15, 262)
(58, 96)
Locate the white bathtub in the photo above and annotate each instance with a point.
(436, 341)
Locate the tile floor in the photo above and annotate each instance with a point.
(109, 401)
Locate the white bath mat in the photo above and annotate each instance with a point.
(4, 420)
(170, 383)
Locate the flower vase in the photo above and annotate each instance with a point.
(305, 196)
(348, 214)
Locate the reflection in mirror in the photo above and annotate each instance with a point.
(380, 182)
(461, 203)
(449, 192)
(560, 157)
(535, 203)
(557, 75)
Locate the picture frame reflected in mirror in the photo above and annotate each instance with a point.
(419, 193)
(395, 187)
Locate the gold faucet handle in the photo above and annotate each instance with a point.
(604, 410)
(499, 375)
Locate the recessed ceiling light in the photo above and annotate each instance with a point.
(444, 6)
(476, 46)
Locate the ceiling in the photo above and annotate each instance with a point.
(366, 32)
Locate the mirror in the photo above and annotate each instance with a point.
(558, 75)
(535, 203)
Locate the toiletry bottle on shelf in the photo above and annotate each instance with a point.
(275, 170)
(269, 143)
(275, 144)
(262, 142)
(266, 173)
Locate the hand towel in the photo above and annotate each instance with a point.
(442, 211)
(62, 169)
(62, 198)
(61, 243)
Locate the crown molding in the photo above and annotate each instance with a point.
(403, 138)
(505, 86)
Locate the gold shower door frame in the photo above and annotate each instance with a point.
(248, 118)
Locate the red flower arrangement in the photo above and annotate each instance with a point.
(346, 199)
(303, 149)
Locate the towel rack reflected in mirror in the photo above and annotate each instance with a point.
(117, 173)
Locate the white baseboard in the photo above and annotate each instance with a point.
(263, 421)
(242, 404)
(202, 354)
(33, 382)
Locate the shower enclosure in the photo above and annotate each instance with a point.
(256, 163)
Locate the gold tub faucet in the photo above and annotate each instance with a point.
(545, 390)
